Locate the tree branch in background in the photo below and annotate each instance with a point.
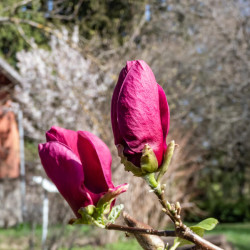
(68, 17)
(15, 20)
(13, 8)
(27, 40)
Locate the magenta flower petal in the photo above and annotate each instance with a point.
(165, 114)
(65, 136)
(96, 160)
(139, 120)
(79, 164)
(117, 136)
(122, 76)
(65, 170)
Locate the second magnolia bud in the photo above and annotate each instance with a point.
(139, 112)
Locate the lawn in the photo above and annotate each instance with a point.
(237, 233)
(20, 237)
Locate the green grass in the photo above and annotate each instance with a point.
(236, 233)
(18, 237)
(122, 244)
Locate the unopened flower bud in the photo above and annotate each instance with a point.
(139, 112)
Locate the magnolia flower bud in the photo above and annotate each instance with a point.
(139, 113)
(79, 164)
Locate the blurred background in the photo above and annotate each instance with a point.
(60, 60)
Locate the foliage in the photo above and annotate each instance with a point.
(31, 23)
(111, 20)
(23, 34)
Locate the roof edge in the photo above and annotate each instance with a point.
(10, 72)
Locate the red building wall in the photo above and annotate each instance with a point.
(9, 138)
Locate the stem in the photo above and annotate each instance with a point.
(150, 179)
(188, 234)
(181, 230)
(137, 230)
(165, 206)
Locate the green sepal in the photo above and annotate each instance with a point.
(115, 213)
(149, 162)
(105, 202)
(95, 215)
(88, 216)
(103, 207)
(90, 209)
(129, 166)
(109, 196)
(166, 160)
(207, 224)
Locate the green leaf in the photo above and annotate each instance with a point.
(207, 224)
(115, 212)
(198, 230)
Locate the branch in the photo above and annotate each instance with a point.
(26, 39)
(189, 235)
(25, 21)
(181, 230)
(15, 6)
(68, 17)
(136, 230)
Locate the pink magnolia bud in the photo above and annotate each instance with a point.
(79, 164)
(139, 112)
